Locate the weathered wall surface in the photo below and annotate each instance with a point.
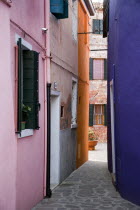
(96, 40)
(64, 67)
(68, 152)
(83, 86)
(100, 132)
(98, 88)
(98, 92)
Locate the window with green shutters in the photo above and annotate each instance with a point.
(97, 26)
(28, 96)
(97, 69)
(97, 114)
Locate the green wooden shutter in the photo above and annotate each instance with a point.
(91, 69)
(105, 114)
(101, 26)
(20, 86)
(30, 87)
(91, 112)
(105, 69)
(96, 26)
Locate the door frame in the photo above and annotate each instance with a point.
(56, 156)
(113, 129)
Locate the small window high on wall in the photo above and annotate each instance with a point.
(98, 69)
(97, 26)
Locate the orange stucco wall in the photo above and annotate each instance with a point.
(83, 86)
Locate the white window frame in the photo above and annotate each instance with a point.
(113, 127)
(74, 103)
(75, 20)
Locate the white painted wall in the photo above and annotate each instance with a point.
(55, 141)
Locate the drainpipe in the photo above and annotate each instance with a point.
(47, 191)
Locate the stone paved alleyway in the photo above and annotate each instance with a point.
(88, 188)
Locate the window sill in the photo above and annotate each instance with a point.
(26, 133)
(74, 125)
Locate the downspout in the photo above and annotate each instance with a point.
(47, 89)
(48, 190)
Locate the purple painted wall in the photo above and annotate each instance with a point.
(124, 68)
(22, 171)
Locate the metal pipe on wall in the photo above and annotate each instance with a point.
(48, 190)
(47, 89)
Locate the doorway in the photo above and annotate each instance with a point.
(55, 140)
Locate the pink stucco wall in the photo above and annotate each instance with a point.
(22, 160)
(8, 149)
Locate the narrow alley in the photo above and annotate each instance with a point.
(89, 187)
(70, 104)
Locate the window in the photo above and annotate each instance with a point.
(74, 102)
(98, 69)
(62, 112)
(97, 26)
(28, 102)
(97, 114)
(59, 8)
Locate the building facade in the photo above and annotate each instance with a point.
(123, 95)
(23, 79)
(85, 10)
(98, 75)
(64, 83)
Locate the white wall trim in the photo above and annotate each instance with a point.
(112, 126)
(74, 125)
(25, 133)
(24, 42)
(55, 93)
(74, 79)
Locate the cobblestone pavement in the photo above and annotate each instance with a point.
(88, 188)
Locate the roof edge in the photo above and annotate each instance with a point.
(90, 7)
